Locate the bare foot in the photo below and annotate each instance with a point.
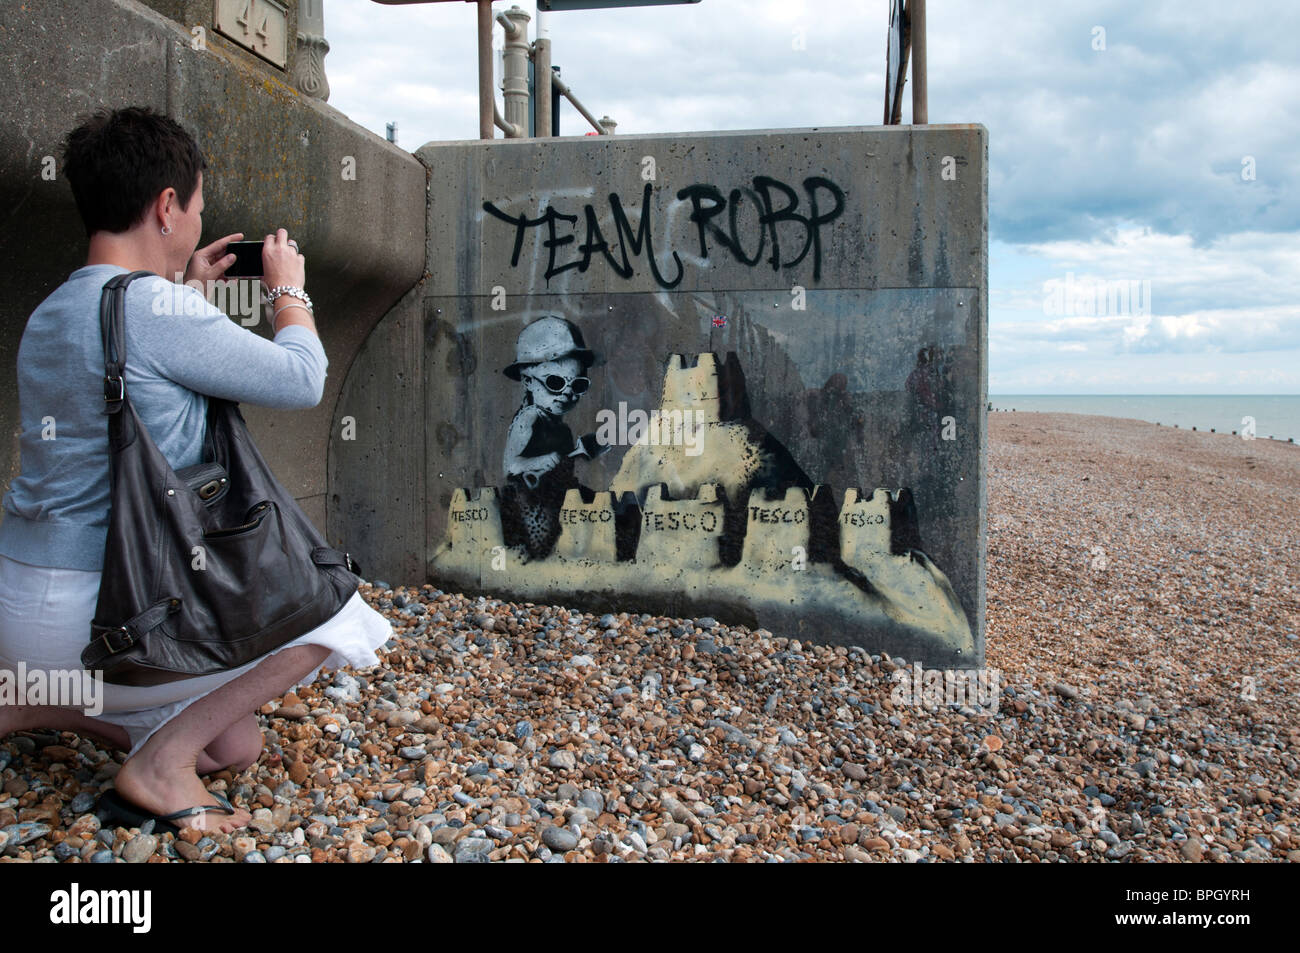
(165, 792)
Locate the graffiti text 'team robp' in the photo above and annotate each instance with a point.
(719, 219)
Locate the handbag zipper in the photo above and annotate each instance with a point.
(255, 511)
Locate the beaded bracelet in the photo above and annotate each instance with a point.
(287, 290)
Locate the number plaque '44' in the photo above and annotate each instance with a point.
(258, 25)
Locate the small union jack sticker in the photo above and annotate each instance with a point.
(720, 321)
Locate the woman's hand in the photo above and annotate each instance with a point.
(210, 263)
(281, 262)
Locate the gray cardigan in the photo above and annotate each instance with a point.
(179, 349)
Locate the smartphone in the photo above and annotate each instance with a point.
(248, 260)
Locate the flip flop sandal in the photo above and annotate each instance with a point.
(114, 808)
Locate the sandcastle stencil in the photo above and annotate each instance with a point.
(708, 514)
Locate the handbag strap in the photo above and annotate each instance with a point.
(112, 327)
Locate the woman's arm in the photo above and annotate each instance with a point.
(283, 264)
(183, 338)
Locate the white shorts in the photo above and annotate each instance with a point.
(45, 618)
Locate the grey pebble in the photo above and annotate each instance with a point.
(854, 771)
(25, 832)
(557, 838)
(437, 854)
(139, 848)
(345, 688)
(473, 850)
(563, 760)
(635, 841)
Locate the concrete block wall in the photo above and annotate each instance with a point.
(841, 355)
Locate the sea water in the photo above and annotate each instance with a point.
(1276, 416)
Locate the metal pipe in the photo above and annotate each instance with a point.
(542, 86)
(510, 129)
(514, 81)
(542, 75)
(568, 94)
(556, 101)
(486, 98)
(920, 107)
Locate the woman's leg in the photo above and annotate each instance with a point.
(162, 776)
(236, 748)
(36, 717)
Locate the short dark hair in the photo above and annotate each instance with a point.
(119, 160)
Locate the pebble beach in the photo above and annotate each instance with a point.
(1143, 621)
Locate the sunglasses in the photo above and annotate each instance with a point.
(557, 384)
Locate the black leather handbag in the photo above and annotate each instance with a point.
(206, 568)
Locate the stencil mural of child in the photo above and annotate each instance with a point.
(551, 360)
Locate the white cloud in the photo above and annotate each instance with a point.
(1259, 330)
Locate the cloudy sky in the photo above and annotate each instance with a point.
(1144, 157)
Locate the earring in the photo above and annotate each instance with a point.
(166, 229)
